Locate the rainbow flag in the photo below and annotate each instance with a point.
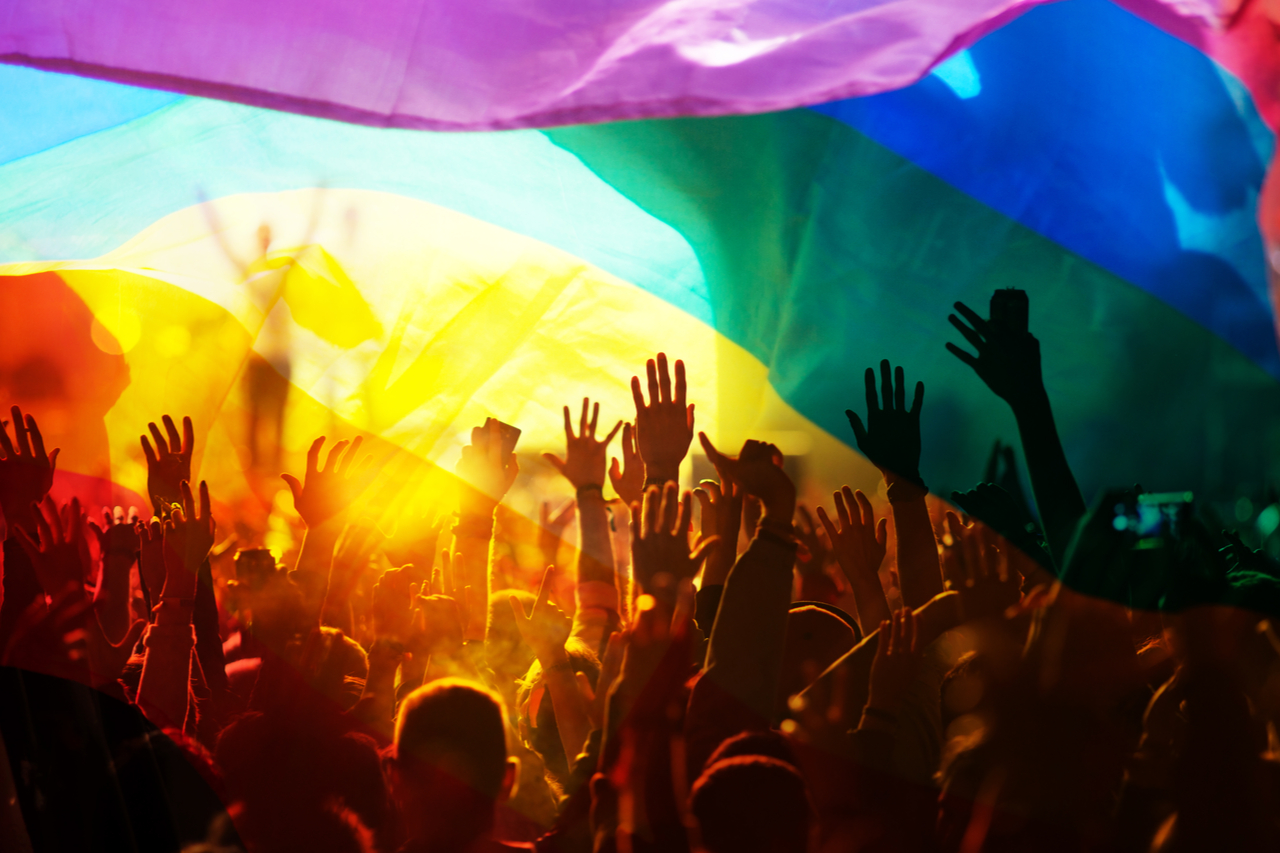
(243, 220)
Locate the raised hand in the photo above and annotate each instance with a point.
(546, 628)
(722, 520)
(169, 462)
(151, 557)
(451, 605)
(758, 470)
(1008, 361)
(976, 568)
(664, 427)
(660, 553)
(898, 651)
(392, 607)
(188, 536)
(859, 543)
(26, 470)
(583, 464)
(627, 476)
(118, 534)
(1000, 511)
(58, 551)
(486, 472)
(327, 492)
(891, 436)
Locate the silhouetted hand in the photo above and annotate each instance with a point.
(448, 610)
(584, 462)
(859, 543)
(1008, 361)
(1239, 557)
(664, 427)
(627, 476)
(326, 493)
(58, 551)
(151, 556)
(996, 508)
(118, 534)
(26, 470)
(722, 519)
(814, 552)
(546, 628)
(891, 436)
(975, 567)
(758, 470)
(168, 463)
(486, 473)
(188, 536)
(392, 607)
(660, 553)
(896, 662)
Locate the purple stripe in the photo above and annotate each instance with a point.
(488, 64)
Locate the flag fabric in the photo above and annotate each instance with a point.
(166, 252)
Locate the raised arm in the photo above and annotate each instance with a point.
(664, 427)
(26, 475)
(485, 475)
(891, 440)
(859, 545)
(1008, 360)
(596, 586)
(118, 550)
(168, 462)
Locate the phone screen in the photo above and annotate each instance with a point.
(1153, 519)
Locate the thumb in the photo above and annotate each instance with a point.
(518, 609)
(882, 531)
(295, 486)
(615, 470)
(53, 458)
(554, 461)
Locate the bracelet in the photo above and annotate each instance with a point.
(590, 487)
(880, 714)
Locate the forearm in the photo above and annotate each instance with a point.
(166, 669)
(21, 587)
(1054, 486)
(572, 719)
(471, 557)
(869, 599)
(111, 598)
(314, 560)
(744, 656)
(918, 569)
(595, 552)
(208, 638)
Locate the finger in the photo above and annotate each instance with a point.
(608, 438)
(595, 418)
(651, 373)
(188, 500)
(615, 473)
(972, 316)
(918, 400)
(162, 447)
(686, 514)
(703, 549)
(681, 385)
(171, 431)
(704, 505)
(636, 394)
(873, 401)
(554, 461)
(859, 431)
(188, 438)
(295, 487)
(20, 437)
(518, 609)
(628, 441)
(882, 531)
(899, 389)
(544, 591)
(37, 440)
(913, 632)
(335, 454)
(348, 458)
(206, 513)
(313, 456)
(825, 521)
(962, 355)
(5, 444)
(584, 421)
(664, 378)
(670, 507)
(649, 523)
(43, 530)
(886, 384)
(969, 334)
(717, 458)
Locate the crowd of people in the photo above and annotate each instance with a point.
(710, 670)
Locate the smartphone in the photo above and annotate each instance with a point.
(510, 435)
(1009, 310)
(254, 566)
(1152, 520)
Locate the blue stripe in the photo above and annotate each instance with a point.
(1121, 143)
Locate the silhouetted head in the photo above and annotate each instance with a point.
(817, 636)
(752, 804)
(450, 764)
(770, 744)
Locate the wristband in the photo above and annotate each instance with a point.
(590, 487)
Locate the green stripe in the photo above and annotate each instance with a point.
(824, 252)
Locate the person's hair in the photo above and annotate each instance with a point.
(459, 723)
(751, 804)
(770, 744)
